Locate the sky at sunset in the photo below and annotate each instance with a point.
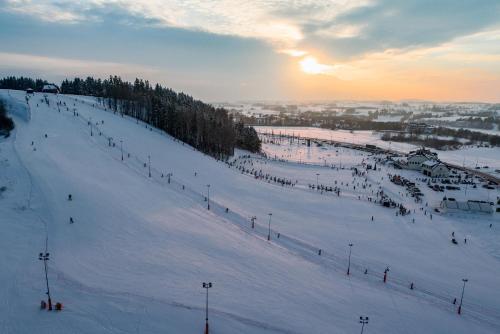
(441, 50)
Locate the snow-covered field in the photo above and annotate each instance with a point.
(346, 136)
(467, 156)
(140, 247)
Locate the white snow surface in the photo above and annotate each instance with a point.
(139, 249)
(467, 156)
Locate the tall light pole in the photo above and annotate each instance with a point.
(206, 286)
(208, 197)
(91, 134)
(465, 280)
(253, 221)
(363, 321)
(121, 147)
(45, 257)
(149, 165)
(385, 274)
(269, 230)
(349, 265)
(317, 178)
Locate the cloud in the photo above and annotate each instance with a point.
(46, 10)
(365, 42)
(341, 28)
(293, 52)
(67, 67)
(278, 22)
(394, 24)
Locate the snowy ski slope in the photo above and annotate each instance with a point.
(140, 247)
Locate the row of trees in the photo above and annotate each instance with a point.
(442, 137)
(6, 124)
(22, 83)
(210, 130)
(427, 141)
(474, 136)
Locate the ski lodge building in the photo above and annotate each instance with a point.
(424, 161)
(50, 88)
(415, 159)
(435, 169)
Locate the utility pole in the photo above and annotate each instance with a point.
(385, 274)
(206, 286)
(90, 122)
(253, 221)
(363, 321)
(208, 197)
(269, 230)
(45, 257)
(465, 280)
(121, 147)
(349, 265)
(149, 165)
(317, 179)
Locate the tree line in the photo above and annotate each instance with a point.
(22, 83)
(208, 129)
(6, 124)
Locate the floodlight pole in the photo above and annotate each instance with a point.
(269, 229)
(349, 264)
(363, 321)
(206, 286)
(208, 197)
(149, 165)
(465, 280)
(45, 257)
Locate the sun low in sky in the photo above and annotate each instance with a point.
(310, 65)
(229, 50)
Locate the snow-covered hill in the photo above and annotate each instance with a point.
(140, 247)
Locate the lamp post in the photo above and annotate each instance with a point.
(121, 147)
(253, 221)
(269, 230)
(465, 280)
(206, 286)
(45, 257)
(363, 321)
(208, 197)
(149, 165)
(349, 264)
(317, 178)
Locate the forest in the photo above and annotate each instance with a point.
(208, 129)
(6, 124)
(22, 83)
